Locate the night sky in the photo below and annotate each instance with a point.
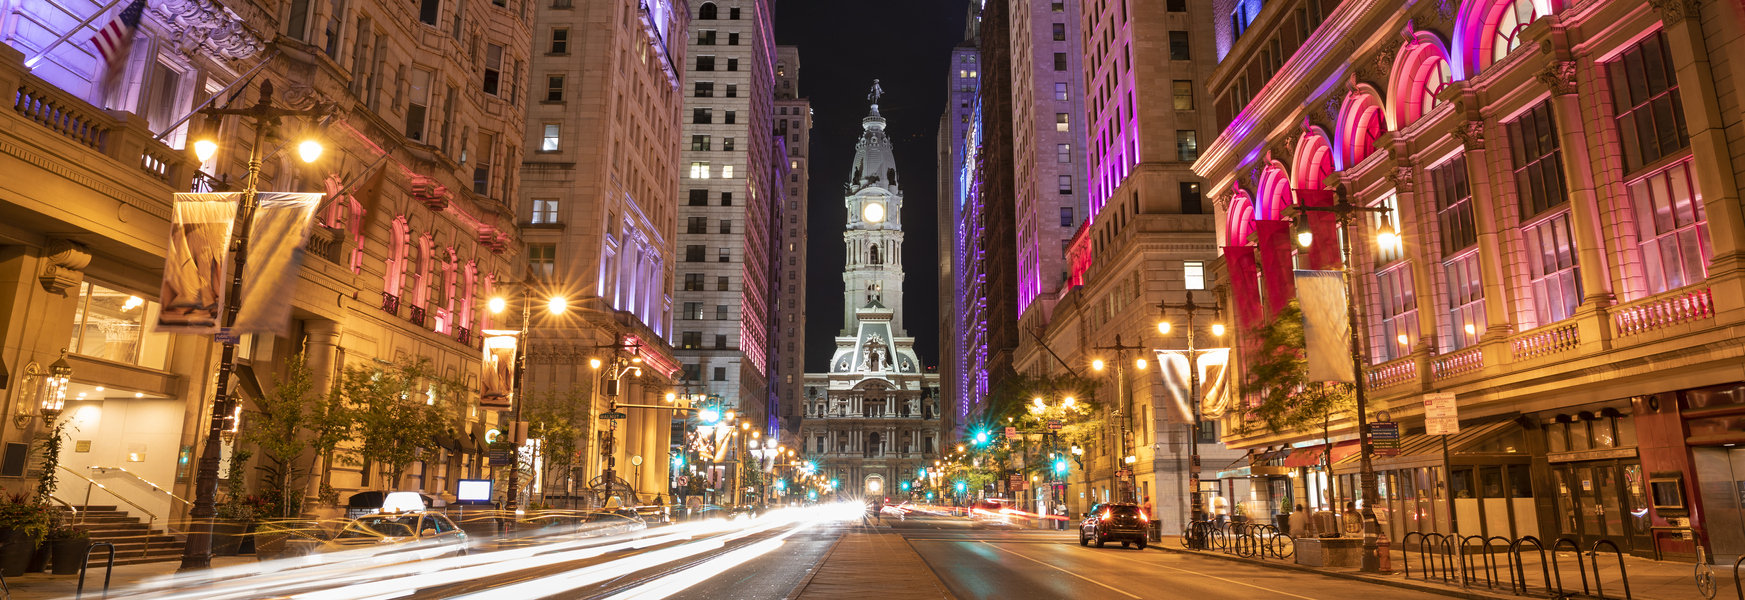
(906, 45)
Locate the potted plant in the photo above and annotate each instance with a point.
(235, 512)
(68, 547)
(23, 522)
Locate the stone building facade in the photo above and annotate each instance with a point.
(793, 121)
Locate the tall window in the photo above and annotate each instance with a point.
(691, 340)
(1556, 280)
(693, 311)
(706, 12)
(1466, 320)
(700, 170)
(482, 165)
(1183, 91)
(1650, 118)
(706, 37)
(721, 283)
(1398, 328)
(1063, 153)
(1066, 216)
(493, 68)
(705, 89)
(1187, 144)
(1060, 123)
(733, 64)
(544, 211)
(542, 260)
(1059, 32)
(1065, 185)
(1453, 206)
(697, 225)
(553, 88)
(1672, 229)
(552, 138)
(560, 40)
(1060, 92)
(1178, 46)
(726, 226)
(699, 143)
(693, 282)
(702, 116)
(417, 104)
(1193, 275)
(1191, 199)
(705, 63)
(699, 198)
(694, 253)
(427, 11)
(1060, 61)
(1538, 163)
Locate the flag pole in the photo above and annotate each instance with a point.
(241, 80)
(52, 45)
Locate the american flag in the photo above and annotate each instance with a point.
(115, 40)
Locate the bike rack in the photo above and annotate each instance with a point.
(1510, 567)
(1488, 567)
(1579, 564)
(1521, 569)
(1623, 573)
(108, 570)
(1736, 586)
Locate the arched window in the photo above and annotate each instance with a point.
(1239, 224)
(875, 255)
(706, 12)
(1506, 33)
(1360, 124)
(1313, 163)
(1421, 73)
(1275, 193)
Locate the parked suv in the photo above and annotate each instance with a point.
(1125, 523)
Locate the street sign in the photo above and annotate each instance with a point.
(612, 415)
(1011, 432)
(684, 481)
(1385, 438)
(1441, 417)
(1054, 424)
(1123, 473)
(502, 458)
(224, 336)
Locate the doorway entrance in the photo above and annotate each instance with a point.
(1604, 499)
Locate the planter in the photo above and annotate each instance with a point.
(39, 559)
(227, 537)
(277, 540)
(69, 554)
(16, 549)
(248, 541)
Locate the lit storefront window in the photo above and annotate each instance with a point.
(115, 325)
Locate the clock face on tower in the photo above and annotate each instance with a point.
(873, 212)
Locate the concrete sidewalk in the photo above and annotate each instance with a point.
(1648, 579)
(42, 586)
(871, 563)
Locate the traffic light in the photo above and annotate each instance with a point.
(961, 487)
(921, 472)
(981, 437)
(905, 486)
(709, 415)
(1060, 465)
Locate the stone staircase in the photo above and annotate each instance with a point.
(135, 541)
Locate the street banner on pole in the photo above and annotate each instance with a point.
(1172, 383)
(275, 261)
(499, 369)
(1441, 417)
(1326, 328)
(194, 263)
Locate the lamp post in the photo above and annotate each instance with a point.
(1196, 511)
(511, 496)
(1386, 237)
(197, 554)
(1125, 463)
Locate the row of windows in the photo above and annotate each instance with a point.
(701, 143)
(707, 37)
(700, 197)
(706, 116)
(695, 253)
(694, 282)
(700, 225)
(706, 89)
(702, 170)
(694, 311)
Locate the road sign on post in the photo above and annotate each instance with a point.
(612, 415)
(1054, 424)
(1011, 432)
(1441, 417)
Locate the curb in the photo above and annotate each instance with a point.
(1406, 584)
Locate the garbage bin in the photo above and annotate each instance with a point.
(1157, 531)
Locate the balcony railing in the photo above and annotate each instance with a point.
(48, 106)
(1545, 341)
(1458, 363)
(1393, 373)
(1672, 308)
(464, 336)
(416, 315)
(121, 136)
(390, 304)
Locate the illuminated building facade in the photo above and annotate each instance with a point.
(1565, 177)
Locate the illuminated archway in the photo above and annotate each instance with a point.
(1420, 72)
(1361, 122)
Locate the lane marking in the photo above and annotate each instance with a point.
(991, 545)
(1148, 563)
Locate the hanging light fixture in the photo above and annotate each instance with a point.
(54, 392)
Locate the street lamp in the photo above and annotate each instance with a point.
(1387, 238)
(197, 554)
(1123, 476)
(54, 396)
(1196, 512)
(511, 496)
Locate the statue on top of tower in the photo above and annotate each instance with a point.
(876, 92)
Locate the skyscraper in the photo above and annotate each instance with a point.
(794, 123)
(723, 287)
(600, 199)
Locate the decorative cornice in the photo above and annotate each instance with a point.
(1402, 179)
(1672, 11)
(1559, 77)
(210, 26)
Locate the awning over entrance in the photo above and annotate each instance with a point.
(1311, 456)
(1423, 450)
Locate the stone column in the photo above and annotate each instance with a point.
(1486, 216)
(1559, 77)
(1709, 148)
(323, 357)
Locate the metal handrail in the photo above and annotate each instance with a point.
(154, 487)
(88, 480)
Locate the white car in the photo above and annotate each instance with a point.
(429, 534)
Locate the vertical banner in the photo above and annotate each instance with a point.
(275, 261)
(1275, 264)
(1244, 286)
(495, 384)
(194, 263)
(1176, 388)
(1324, 252)
(1326, 326)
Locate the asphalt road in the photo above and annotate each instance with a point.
(978, 563)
